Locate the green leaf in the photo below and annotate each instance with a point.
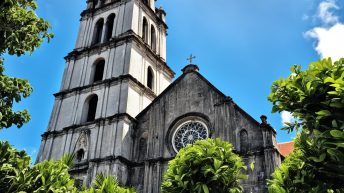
(205, 188)
(334, 124)
(329, 79)
(320, 159)
(340, 144)
(336, 133)
(324, 113)
(337, 104)
(217, 164)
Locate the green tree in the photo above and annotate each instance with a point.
(315, 97)
(21, 32)
(13, 166)
(16, 175)
(206, 166)
(107, 184)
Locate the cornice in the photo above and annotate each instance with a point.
(91, 12)
(115, 158)
(260, 151)
(79, 167)
(108, 82)
(85, 126)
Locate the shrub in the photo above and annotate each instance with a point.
(206, 166)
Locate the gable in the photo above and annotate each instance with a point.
(196, 84)
(189, 87)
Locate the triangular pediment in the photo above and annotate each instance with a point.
(193, 88)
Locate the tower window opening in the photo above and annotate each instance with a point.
(98, 31)
(98, 71)
(243, 141)
(153, 38)
(146, 2)
(145, 30)
(80, 155)
(150, 78)
(95, 3)
(90, 108)
(109, 26)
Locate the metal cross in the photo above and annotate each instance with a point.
(190, 58)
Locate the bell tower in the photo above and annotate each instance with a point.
(116, 70)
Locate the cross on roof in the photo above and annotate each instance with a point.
(190, 58)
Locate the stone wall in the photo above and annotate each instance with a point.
(191, 96)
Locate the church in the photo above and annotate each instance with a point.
(121, 111)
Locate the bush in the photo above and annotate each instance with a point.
(107, 184)
(49, 176)
(206, 166)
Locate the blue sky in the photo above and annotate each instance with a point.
(241, 46)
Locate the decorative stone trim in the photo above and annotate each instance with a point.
(85, 165)
(115, 3)
(108, 82)
(81, 127)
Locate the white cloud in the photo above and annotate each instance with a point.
(330, 34)
(325, 12)
(330, 42)
(287, 117)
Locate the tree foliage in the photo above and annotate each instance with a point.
(316, 98)
(12, 90)
(21, 31)
(206, 166)
(107, 184)
(16, 175)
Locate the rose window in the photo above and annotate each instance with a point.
(188, 133)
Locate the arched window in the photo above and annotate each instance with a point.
(90, 108)
(153, 38)
(109, 26)
(80, 155)
(243, 141)
(98, 71)
(145, 30)
(150, 78)
(98, 31)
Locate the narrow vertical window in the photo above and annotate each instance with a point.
(80, 154)
(109, 26)
(95, 3)
(243, 141)
(98, 31)
(150, 78)
(90, 108)
(153, 38)
(98, 71)
(145, 30)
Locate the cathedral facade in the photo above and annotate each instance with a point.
(120, 112)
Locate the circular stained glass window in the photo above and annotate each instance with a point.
(188, 133)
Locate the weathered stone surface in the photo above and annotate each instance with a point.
(190, 96)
